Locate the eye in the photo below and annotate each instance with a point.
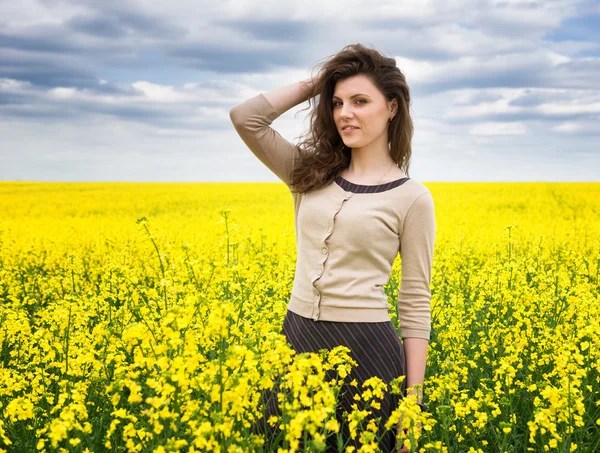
(335, 103)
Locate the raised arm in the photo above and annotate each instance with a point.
(252, 120)
(284, 98)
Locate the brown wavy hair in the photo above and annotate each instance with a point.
(323, 154)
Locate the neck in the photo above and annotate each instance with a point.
(366, 165)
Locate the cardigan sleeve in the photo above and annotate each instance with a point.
(416, 252)
(252, 120)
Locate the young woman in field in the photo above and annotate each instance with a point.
(355, 210)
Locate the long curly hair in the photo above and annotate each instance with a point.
(323, 154)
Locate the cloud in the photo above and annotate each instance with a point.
(496, 128)
(482, 74)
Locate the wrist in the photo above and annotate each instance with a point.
(307, 87)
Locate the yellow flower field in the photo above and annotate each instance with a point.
(146, 318)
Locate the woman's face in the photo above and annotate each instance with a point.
(358, 102)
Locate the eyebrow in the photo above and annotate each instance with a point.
(353, 96)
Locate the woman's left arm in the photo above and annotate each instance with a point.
(414, 298)
(415, 350)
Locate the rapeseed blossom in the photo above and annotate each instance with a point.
(142, 318)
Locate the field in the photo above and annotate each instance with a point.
(146, 317)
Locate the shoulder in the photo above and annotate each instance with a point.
(417, 213)
(416, 185)
(413, 195)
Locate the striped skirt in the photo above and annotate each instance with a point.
(378, 351)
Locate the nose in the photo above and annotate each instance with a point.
(346, 112)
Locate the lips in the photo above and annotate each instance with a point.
(351, 129)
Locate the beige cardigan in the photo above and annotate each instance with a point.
(348, 236)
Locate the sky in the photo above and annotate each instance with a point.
(141, 91)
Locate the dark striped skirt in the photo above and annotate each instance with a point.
(378, 351)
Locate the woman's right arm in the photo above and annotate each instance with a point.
(284, 98)
(252, 120)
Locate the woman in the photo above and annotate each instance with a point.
(355, 209)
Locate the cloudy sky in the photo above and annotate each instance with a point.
(141, 91)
